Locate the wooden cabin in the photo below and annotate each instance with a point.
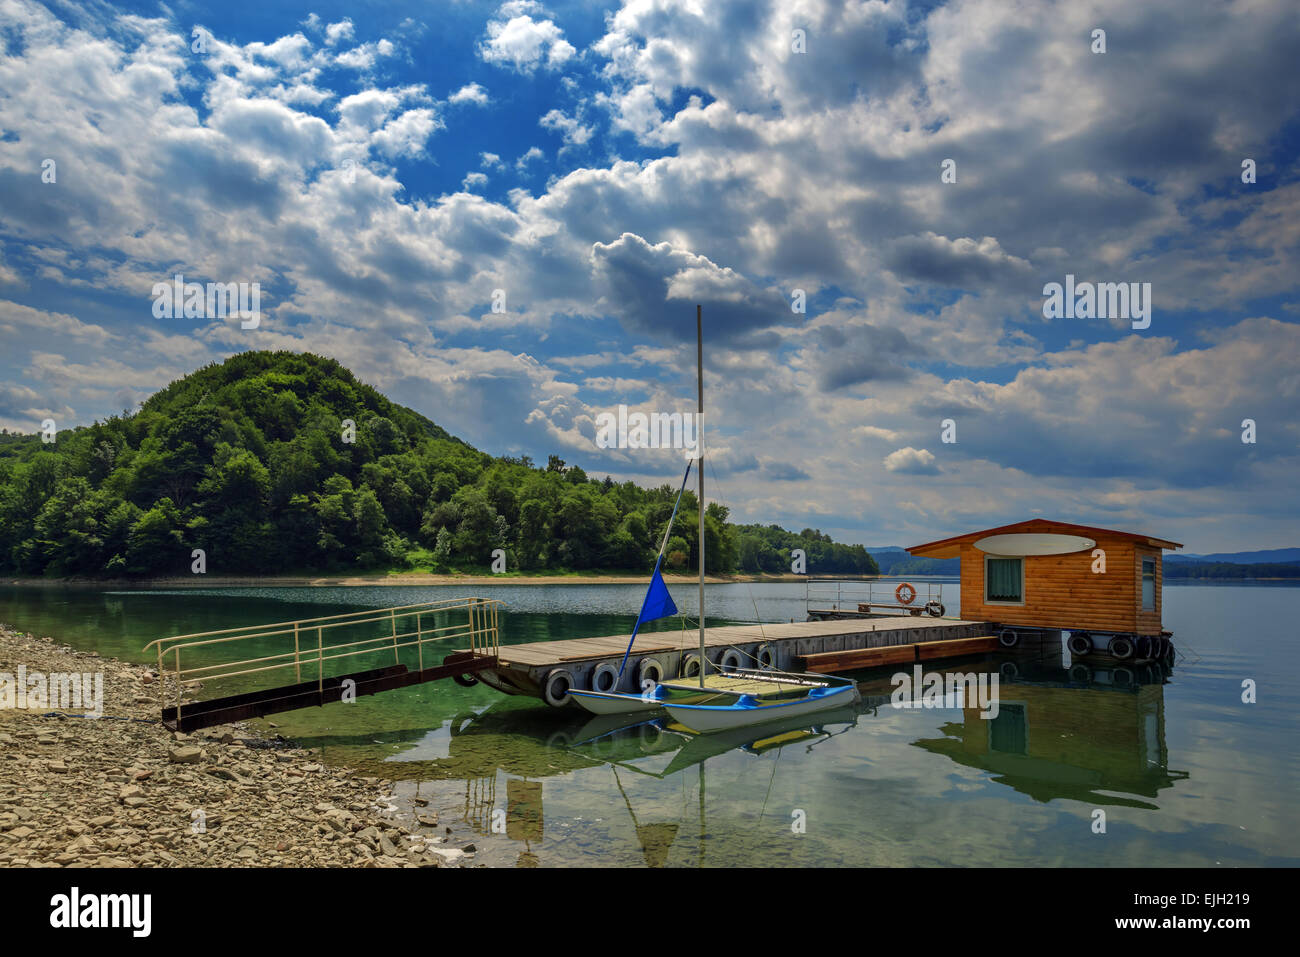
(1046, 574)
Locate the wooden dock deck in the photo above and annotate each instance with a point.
(548, 669)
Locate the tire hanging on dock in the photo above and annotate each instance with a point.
(555, 690)
(465, 681)
(935, 608)
(731, 659)
(691, 666)
(1008, 638)
(766, 655)
(1080, 643)
(605, 668)
(1120, 647)
(649, 669)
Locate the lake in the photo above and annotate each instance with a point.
(1184, 771)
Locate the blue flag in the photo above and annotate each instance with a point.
(658, 603)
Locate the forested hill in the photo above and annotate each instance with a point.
(253, 461)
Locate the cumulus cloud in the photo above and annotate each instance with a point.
(653, 287)
(570, 127)
(470, 93)
(336, 33)
(532, 153)
(910, 461)
(757, 171)
(964, 263)
(523, 43)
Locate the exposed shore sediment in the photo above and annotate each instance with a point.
(123, 791)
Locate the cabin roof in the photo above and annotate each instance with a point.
(951, 547)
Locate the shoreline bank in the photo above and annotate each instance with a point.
(120, 790)
(418, 579)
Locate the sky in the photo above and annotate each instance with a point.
(915, 173)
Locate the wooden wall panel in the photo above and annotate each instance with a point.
(1061, 591)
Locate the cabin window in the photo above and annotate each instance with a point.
(1148, 584)
(1004, 580)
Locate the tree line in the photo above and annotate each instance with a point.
(1289, 570)
(281, 463)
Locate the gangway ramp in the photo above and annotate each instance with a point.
(336, 653)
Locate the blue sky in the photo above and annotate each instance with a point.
(381, 169)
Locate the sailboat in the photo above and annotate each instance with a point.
(723, 700)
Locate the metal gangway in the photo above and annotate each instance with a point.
(330, 651)
(829, 598)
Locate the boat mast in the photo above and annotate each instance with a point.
(699, 472)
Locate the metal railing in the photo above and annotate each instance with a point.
(839, 594)
(479, 632)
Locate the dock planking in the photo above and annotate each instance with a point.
(548, 669)
(539, 654)
(831, 662)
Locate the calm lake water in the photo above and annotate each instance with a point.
(1186, 773)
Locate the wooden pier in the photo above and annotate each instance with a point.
(549, 669)
(312, 662)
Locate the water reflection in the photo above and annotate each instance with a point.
(531, 785)
(1074, 734)
(1096, 737)
(624, 745)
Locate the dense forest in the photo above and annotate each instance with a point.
(1276, 570)
(279, 462)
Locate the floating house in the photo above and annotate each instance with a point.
(1050, 575)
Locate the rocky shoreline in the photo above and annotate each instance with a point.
(121, 790)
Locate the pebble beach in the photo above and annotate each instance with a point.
(120, 790)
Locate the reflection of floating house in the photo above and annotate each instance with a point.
(1104, 744)
(1042, 574)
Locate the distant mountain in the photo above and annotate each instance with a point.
(1262, 571)
(1270, 555)
(894, 560)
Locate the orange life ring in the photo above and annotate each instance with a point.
(905, 590)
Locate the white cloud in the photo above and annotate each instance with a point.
(470, 93)
(533, 153)
(523, 43)
(336, 33)
(924, 298)
(910, 461)
(575, 134)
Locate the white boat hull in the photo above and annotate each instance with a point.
(604, 702)
(707, 718)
